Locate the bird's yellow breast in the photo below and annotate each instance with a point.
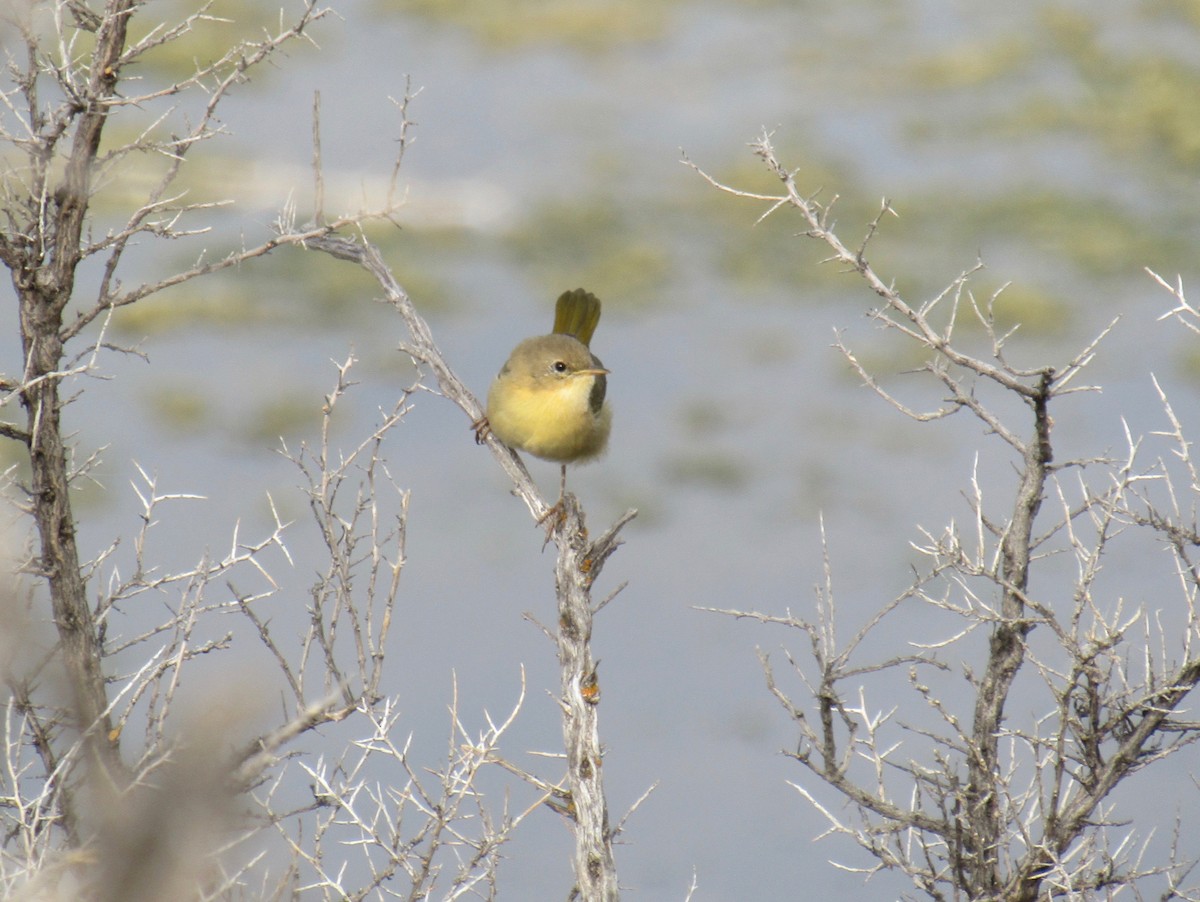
(552, 421)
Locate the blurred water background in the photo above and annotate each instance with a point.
(1056, 141)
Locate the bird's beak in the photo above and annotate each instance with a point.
(595, 371)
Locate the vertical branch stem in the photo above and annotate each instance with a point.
(44, 288)
(595, 866)
(1006, 652)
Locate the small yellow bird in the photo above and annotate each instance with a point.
(548, 399)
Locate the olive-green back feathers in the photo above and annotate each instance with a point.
(577, 313)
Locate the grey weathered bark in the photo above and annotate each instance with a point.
(43, 268)
(579, 561)
(988, 827)
(60, 99)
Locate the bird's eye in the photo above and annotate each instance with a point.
(559, 366)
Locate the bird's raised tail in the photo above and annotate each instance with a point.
(576, 314)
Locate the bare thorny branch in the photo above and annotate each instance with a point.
(455, 839)
(72, 803)
(52, 116)
(1002, 811)
(579, 564)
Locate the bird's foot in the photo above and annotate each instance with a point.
(554, 517)
(482, 429)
